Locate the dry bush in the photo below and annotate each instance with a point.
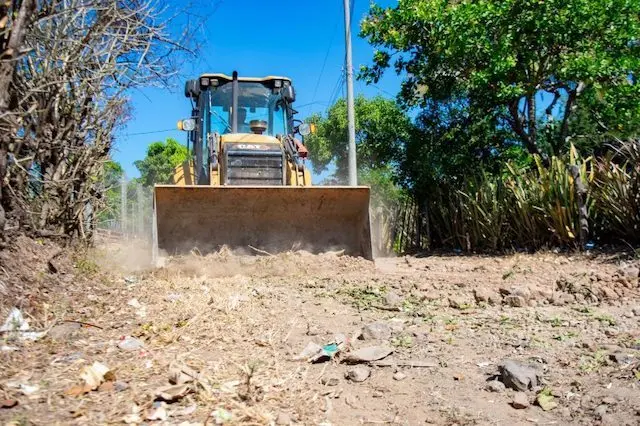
(66, 69)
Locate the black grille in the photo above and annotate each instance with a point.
(254, 168)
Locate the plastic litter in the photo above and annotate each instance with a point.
(16, 324)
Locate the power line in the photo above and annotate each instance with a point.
(337, 89)
(324, 63)
(149, 133)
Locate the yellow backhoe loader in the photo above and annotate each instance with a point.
(246, 185)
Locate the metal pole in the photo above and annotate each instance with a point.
(123, 205)
(353, 168)
(140, 218)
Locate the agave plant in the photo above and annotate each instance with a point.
(617, 193)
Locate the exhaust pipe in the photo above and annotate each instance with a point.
(234, 103)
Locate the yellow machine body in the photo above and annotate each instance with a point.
(280, 213)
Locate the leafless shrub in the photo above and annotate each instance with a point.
(66, 69)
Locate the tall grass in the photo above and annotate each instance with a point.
(535, 207)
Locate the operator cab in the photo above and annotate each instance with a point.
(263, 105)
(242, 130)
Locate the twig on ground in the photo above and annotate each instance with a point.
(88, 324)
(261, 251)
(413, 364)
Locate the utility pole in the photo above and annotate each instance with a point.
(353, 167)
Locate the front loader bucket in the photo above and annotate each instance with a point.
(271, 219)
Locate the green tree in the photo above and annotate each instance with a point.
(382, 129)
(112, 174)
(529, 63)
(161, 160)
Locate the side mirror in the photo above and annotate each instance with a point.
(306, 129)
(289, 94)
(187, 125)
(192, 89)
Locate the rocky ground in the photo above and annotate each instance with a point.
(301, 339)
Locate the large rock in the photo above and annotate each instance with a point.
(358, 374)
(518, 376)
(376, 331)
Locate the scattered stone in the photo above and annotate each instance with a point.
(609, 401)
(369, 354)
(600, 411)
(63, 331)
(120, 386)
(392, 298)
(561, 299)
(523, 292)
(399, 376)
(518, 376)
(173, 393)
(516, 301)
(636, 311)
(459, 303)
(376, 331)
(358, 374)
(54, 266)
(495, 386)
(283, 419)
(330, 381)
(483, 295)
(130, 344)
(629, 272)
(520, 401)
(310, 352)
(621, 358)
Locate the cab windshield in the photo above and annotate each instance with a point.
(257, 104)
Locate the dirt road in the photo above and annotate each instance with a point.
(230, 331)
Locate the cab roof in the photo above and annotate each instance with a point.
(251, 79)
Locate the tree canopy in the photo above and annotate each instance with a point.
(382, 129)
(161, 159)
(530, 63)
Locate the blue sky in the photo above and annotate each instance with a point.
(258, 38)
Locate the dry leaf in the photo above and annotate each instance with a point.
(106, 387)
(95, 375)
(78, 390)
(173, 393)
